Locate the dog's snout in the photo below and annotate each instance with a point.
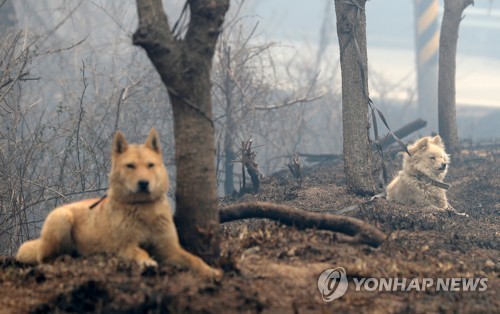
(443, 166)
(143, 185)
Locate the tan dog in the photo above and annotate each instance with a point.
(135, 216)
(420, 181)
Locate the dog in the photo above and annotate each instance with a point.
(133, 221)
(420, 181)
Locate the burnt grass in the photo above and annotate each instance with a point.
(271, 268)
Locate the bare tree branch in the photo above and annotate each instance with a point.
(289, 103)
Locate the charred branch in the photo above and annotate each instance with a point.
(294, 167)
(384, 142)
(360, 231)
(248, 162)
(401, 133)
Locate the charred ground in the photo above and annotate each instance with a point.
(271, 268)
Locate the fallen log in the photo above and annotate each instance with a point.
(360, 231)
(402, 132)
(387, 140)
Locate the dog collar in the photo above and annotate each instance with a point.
(98, 201)
(434, 182)
(105, 196)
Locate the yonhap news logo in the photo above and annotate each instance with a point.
(421, 284)
(333, 284)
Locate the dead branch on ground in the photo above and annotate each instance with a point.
(360, 231)
(387, 140)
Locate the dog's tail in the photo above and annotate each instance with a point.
(28, 252)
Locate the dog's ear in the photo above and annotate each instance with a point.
(153, 141)
(421, 144)
(120, 144)
(437, 140)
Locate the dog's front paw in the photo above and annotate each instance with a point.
(148, 263)
(452, 210)
(212, 273)
(148, 267)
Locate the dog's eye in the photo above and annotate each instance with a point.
(432, 158)
(130, 166)
(151, 165)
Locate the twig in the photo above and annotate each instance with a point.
(21, 71)
(78, 124)
(45, 187)
(61, 196)
(118, 105)
(289, 103)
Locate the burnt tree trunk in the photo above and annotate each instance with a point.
(184, 66)
(351, 31)
(447, 116)
(229, 155)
